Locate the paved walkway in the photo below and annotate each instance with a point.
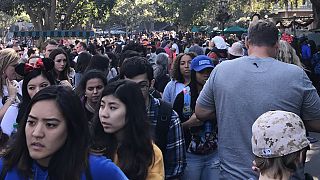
(313, 157)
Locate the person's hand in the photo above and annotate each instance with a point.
(192, 122)
(12, 88)
(254, 167)
(195, 121)
(65, 83)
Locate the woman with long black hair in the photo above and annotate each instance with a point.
(122, 133)
(52, 142)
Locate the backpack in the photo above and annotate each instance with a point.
(162, 127)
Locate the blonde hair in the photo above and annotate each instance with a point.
(8, 57)
(288, 54)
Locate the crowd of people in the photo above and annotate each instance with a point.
(160, 107)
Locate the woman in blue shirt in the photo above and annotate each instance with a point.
(52, 142)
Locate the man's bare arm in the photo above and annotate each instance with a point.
(313, 126)
(204, 114)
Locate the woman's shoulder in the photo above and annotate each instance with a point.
(156, 170)
(157, 151)
(172, 82)
(100, 167)
(170, 85)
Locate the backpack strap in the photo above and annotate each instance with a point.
(162, 127)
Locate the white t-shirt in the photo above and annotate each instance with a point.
(11, 114)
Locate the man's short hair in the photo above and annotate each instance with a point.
(84, 45)
(135, 66)
(51, 42)
(263, 33)
(47, 42)
(136, 47)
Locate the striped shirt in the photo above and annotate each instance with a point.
(175, 156)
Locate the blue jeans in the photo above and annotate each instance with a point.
(202, 167)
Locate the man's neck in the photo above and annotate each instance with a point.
(261, 52)
(286, 176)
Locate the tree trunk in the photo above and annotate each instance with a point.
(69, 12)
(316, 12)
(35, 19)
(52, 15)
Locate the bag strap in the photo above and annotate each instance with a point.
(162, 127)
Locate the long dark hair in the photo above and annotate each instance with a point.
(64, 74)
(82, 62)
(99, 62)
(70, 161)
(28, 76)
(193, 89)
(135, 152)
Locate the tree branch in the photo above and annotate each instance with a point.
(71, 8)
(52, 14)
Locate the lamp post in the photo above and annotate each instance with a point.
(294, 24)
(62, 19)
(222, 16)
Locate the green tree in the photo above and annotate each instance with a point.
(316, 12)
(132, 13)
(45, 14)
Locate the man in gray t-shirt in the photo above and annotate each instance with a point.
(239, 91)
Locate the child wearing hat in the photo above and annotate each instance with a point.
(279, 144)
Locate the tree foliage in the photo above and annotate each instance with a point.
(46, 14)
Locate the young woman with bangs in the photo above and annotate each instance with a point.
(52, 142)
(36, 76)
(121, 132)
